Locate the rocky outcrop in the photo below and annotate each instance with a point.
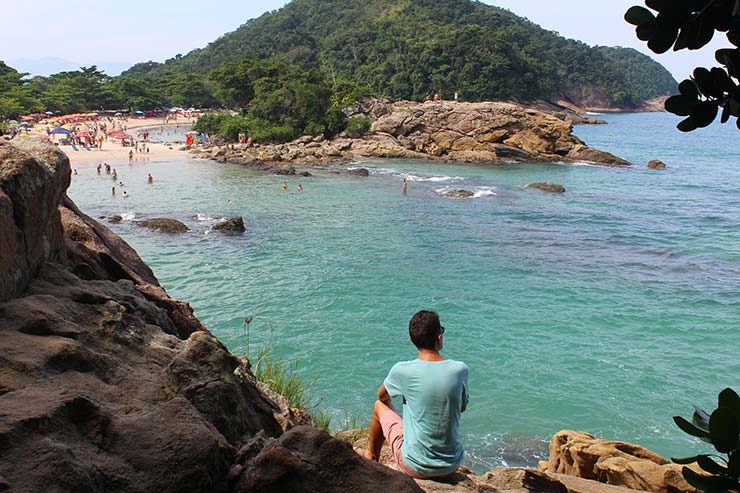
(656, 164)
(234, 225)
(108, 384)
(615, 463)
(163, 224)
(547, 187)
(502, 479)
(491, 132)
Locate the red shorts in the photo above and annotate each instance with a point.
(392, 426)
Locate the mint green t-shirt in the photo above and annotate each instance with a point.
(434, 392)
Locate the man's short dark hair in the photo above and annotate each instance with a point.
(424, 328)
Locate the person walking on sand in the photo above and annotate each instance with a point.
(150, 179)
(426, 441)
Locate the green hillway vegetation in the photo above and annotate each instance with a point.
(291, 71)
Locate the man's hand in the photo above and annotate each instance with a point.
(383, 395)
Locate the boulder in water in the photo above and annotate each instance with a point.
(164, 225)
(115, 219)
(656, 164)
(358, 172)
(232, 226)
(459, 194)
(547, 187)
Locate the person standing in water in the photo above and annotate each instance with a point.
(300, 188)
(405, 186)
(130, 157)
(113, 191)
(150, 179)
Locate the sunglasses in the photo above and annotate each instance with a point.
(443, 329)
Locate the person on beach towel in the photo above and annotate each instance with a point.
(426, 442)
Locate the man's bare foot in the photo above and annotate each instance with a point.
(368, 455)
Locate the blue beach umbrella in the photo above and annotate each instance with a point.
(60, 131)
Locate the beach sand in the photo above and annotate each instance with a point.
(113, 151)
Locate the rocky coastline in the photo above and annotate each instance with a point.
(489, 132)
(108, 384)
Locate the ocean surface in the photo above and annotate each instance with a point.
(607, 309)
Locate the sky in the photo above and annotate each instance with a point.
(116, 35)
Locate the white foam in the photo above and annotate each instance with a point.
(128, 216)
(484, 193)
(203, 217)
(433, 179)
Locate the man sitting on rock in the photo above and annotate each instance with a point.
(426, 443)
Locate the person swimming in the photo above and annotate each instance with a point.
(285, 186)
(125, 194)
(300, 188)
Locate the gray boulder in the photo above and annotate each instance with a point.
(163, 224)
(547, 187)
(233, 226)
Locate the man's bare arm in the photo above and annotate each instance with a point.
(383, 395)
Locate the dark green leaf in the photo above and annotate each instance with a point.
(733, 465)
(724, 118)
(647, 30)
(706, 483)
(724, 429)
(688, 88)
(728, 398)
(698, 420)
(681, 422)
(688, 125)
(721, 80)
(638, 15)
(709, 465)
(659, 5)
(703, 78)
(681, 105)
(703, 115)
(663, 39)
(685, 460)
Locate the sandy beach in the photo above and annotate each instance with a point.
(112, 150)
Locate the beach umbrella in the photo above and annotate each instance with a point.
(24, 124)
(49, 112)
(118, 114)
(139, 112)
(60, 131)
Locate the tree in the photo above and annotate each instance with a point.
(691, 24)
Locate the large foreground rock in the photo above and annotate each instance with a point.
(615, 463)
(108, 384)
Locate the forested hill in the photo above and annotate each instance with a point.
(411, 49)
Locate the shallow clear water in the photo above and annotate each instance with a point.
(607, 309)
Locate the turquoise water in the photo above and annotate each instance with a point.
(607, 309)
